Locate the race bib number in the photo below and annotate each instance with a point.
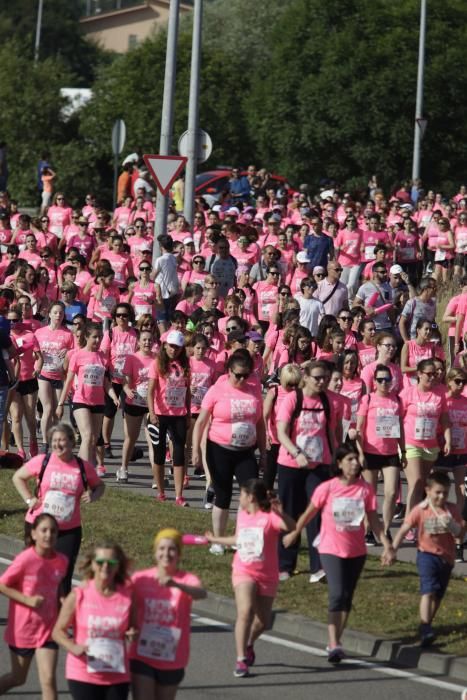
(141, 309)
(250, 544)
(94, 375)
(141, 394)
(60, 505)
(312, 446)
(105, 655)
(440, 255)
(243, 434)
(388, 426)
(348, 513)
(425, 428)
(108, 304)
(370, 252)
(197, 395)
(118, 367)
(52, 362)
(159, 643)
(57, 229)
(458, 437)
(175, 396)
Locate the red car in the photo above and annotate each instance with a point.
(213, 183)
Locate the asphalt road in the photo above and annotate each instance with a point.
(283, 669)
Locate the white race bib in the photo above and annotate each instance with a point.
(141, 309)
(312, 446)
(60, 505)
(52, 362)
(243, 434)
(250, 544)
(197, 395)
(370, 252)
(159, 643)
(175, 396)
(141, 394)
(388, 426)
(425, 428)
(458, 437)
(94, 375)
(440, 255)
(105, 655)
(348, 513)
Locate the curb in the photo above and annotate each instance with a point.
(306, 631)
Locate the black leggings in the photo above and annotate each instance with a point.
(342, 575)
(176, 426)
(223, 465)
(90, 691)
(271, 466)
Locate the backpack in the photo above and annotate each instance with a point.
(326, 408)
(44, 467)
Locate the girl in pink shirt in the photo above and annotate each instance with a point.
(135, 387)
(32, 584)
(414, 351)
(255, 567)
(347, 249)
(104, 296)
(169, 408)
(366, 347)
(343, 501)
(163, 597)
(54, 342)
(24, 396)
(59, 214)
(100, 612)
(119, 260)
(203, 375)
(386, 347)
(353, 387)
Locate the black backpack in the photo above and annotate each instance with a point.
(327, 412)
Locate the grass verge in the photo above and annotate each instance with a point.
(385, 604)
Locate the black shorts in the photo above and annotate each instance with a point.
(28, 653)
(374, 462)
(445, 263)
(91, 409)
(460, 260)
(27, 386)
(451, 461)
(163, 677)
(56, 383)
(110, 408)
(135, 411)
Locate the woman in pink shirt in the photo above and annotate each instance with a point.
(380, 434)
(366, 347)
(59, 214)
(255, 567)
(121, 215)
(104, 295)
(425, 411)
(197, 274)
(88, 366)
(414, 351)
(55, 341)
(119, 260)
(168, 404)
(32, 583)
(163, 597)
(386, 347)
(24, 395)
(101, 613)
(63, 482)
(266, 293)
(353, 386)
(343, 501)
(232, 409)
(347, 250)
(135, 388)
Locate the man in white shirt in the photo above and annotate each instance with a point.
(311, 310)
(331, 292)
(165, 271)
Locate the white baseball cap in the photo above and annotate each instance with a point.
(302, 257)
(396, 270)
(175, 338)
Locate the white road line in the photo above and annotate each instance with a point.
(315, 651)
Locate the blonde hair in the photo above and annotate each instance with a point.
(290, 374)
(169, 533)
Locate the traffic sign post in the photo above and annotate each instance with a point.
(118, 142)
(164, 170)
(204, 143)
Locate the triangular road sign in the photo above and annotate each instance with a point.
(164, 169)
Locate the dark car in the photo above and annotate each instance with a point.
(211, 184)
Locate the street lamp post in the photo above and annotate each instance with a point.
(419, 121)
(38, 31)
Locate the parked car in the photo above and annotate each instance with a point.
(211, 184)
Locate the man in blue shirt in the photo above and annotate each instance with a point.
(318, 245)
(239, 187)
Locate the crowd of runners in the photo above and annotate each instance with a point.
(286, 344)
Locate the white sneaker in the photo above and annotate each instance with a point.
(318, 576)
(284, 576)
(217, 549)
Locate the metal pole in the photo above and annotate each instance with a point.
(417, 142)
(116, 155)
(193, 114)
(38, 31)
(165, 144)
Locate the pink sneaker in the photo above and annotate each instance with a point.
(161, 497)
(180, 501)
(101, 470)
(22, 454)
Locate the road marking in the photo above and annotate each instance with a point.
(370, 665)
(315, 651)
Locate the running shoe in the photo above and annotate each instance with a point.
(335, 654)
(101, 470)
(284, 576)
(250, 655)
(208, 501)
(399, 511)
(459, 553)
(180, 501)
(427, 636)
(217, 549)
(122, 476)
(241, 670)
(370, 539)
(137, 454)
(317, 576)
(108, 451)
(161, 497)
(198, 473)
(411, 536)
(154, 485)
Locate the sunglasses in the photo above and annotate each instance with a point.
(319, 274)
(318, 377)
(76, 323)
(459, 381)
(121, 315)
(284, 294)
(144, 269)
(383, 380)
(274, 274)
(44, 257)
(14, 320)
(239, 375)
(198, 262)
(110, 562)
(140, 226)
(345, 318)
(230, 329)
(429, 374)
(337, 269)
(388, 345)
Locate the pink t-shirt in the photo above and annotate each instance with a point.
(343, 509)
(369, 240)
(100, 622)
(61, 489)
(54, 345)
(457, 411)
(84, 244)
(59, 217)
(170, 391)
(267, 297)
(349, 243)
(235, 414)
(353, 389)
(136, 368)
(415, 354)
(202, 373)
(308, 431)
(257, 537)
(407, 246)
(121, 264)
(433, 536)
(33, 575)
(368, 376)
(143, 299)
(98, 309)
(163, 620)
(117, 349)
(422, 411)
(26, 344)
(90, 369)
(382, 427)
(366, 354)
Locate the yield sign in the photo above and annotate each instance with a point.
(164, 170)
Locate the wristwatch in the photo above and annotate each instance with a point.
(298, 451)
(28, 501)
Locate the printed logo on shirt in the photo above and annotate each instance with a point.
(242, 408)
(64, 482)
(159, 612)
